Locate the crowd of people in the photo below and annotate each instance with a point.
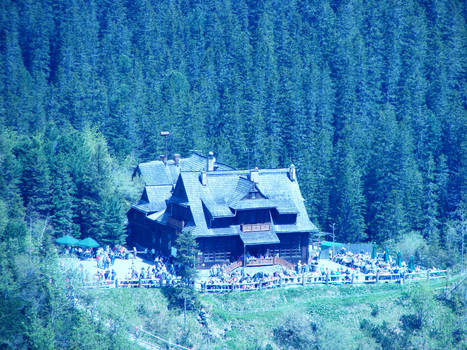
(160, 272)
(118, 251)
(363, 263)
(349, 267)
(157, 270)
(219, 275)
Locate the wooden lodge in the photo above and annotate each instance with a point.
(231, 213)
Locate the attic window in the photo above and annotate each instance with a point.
(254, 194)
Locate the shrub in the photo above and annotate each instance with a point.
(296, 332)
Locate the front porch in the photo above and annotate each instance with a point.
(253, 249)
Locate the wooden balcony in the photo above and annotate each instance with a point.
(265, 226)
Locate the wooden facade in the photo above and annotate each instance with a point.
(259, 213)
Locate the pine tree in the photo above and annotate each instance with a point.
(98, 210)
(35, 177)
(431, 222)
(112, 229)
(13, 211)
(380, 178)
(184, 296)
(63, 194)
(350, 202)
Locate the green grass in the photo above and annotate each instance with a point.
(245, 320)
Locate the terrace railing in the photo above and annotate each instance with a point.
(305, 279)
(130, 283)
(233, 266)
(279, 261)
(310, 279)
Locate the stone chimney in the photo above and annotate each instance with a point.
(163, 158)
(292, 175)
(211, 160)
(203, 178)
(254, 175)
(177, 159)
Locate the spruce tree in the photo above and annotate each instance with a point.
(350, 202)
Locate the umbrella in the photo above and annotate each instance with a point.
(373, 252)
(386, 255)
(399, 259)
(88, 243)
(411, 264)
(67, 240)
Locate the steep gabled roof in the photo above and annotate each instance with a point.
(225, 192)
(160, 179)
(155, 172)
(153, 198)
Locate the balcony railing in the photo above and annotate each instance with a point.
(265, 226)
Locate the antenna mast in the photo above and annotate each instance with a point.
(165, 134)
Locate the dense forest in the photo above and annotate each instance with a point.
(366, 98)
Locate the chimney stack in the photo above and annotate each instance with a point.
(203, 178)
(163, 158)
(177, 159)
(210, 162)
(292, 175)
(254, 175)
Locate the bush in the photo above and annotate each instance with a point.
(374, 310)
(410, 244)
(411, 323)
(176, 298)
(296, 332)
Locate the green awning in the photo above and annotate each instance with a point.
(88, 243)
(331, 244)
(67, 240)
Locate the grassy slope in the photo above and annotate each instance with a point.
(337, 311)
(247, 320)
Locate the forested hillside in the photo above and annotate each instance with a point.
(366, 98)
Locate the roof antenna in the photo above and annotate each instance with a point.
(165, 134)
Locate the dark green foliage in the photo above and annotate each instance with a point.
(366, 98)
(35, 177)
(184, 295)
(423, 324)
(180, 297)
(411, 322)
(349, 198)
(296, 332)
(374, 310)
(187, 251)
(37, 311)
(358, 95)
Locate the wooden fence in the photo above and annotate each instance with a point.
(133, 283)
(310, 279)
(305, 279)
